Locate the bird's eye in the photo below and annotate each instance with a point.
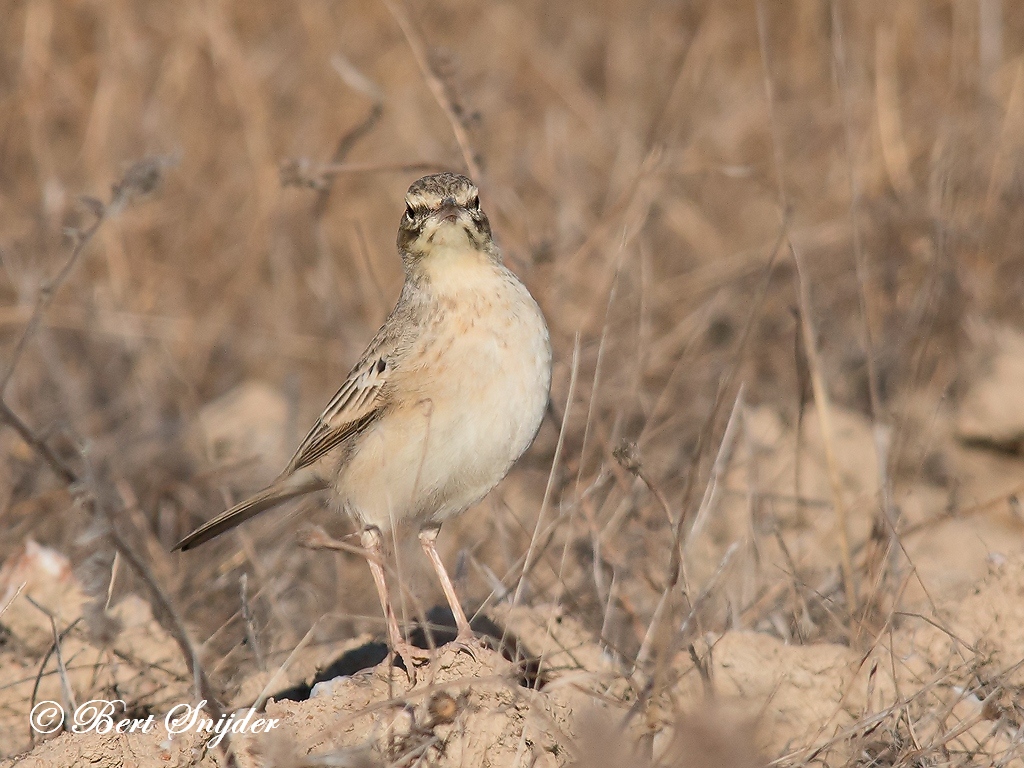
(474, 202)
(408, 212)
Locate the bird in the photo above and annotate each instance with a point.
(449, 393)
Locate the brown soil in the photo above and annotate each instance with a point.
(774, 516)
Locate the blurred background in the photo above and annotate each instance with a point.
(778, 246)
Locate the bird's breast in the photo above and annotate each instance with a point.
(467, 400)
(490, 371)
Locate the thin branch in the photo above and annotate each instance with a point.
(62, 670)
(140, 179)
(807, 328)
(725, 384)
(36, 443)
(555, 462)
(823, 409)
(721, 465)
(47, 292)
(880, 430)
(345, 145)
(173, 623)
(419, 52)
(340, 168)
(42, 667)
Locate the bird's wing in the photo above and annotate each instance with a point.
(355, 406)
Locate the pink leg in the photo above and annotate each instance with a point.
(372, 542)
(428, 536)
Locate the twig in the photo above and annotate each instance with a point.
(823, 409)
(315, 537)
(250, 621)
(173, 623)
(549, 488)
(62, 669)
(706, 592)
(39, 674)
(725, 383)
(647, 643)
(140, 179)
(880, 430)
(628, 457)
(598, 368)
(9, 603)
(339, 168)
(48, 290)
(345, 145)
(982, 506)
(257, 705)
(36, 443)
(810, 346)
(804, 394)
(437, 88)
(718, 470)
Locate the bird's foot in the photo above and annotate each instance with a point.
(468, 642)
(412, 657)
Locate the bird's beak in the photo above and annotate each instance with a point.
(449, 211)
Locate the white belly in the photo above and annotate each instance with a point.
(474, 390)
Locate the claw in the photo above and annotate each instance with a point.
(469, 643)
(412, 657)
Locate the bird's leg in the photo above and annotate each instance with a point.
(428, 537)
(372, 542)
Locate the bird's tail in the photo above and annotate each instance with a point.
(280, 491)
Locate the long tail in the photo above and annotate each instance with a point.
(282, 490)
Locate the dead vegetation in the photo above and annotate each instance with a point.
(778, 247)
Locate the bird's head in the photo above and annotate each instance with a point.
(443, 216)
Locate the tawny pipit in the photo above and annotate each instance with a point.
(448, 395)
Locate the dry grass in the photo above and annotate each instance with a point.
(793, 197)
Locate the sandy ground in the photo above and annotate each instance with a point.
(774, 515)
(943, 673)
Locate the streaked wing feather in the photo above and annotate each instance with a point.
(355, 406)
(319, 443)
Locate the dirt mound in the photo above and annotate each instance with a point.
(963, 684)
(774, 512)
